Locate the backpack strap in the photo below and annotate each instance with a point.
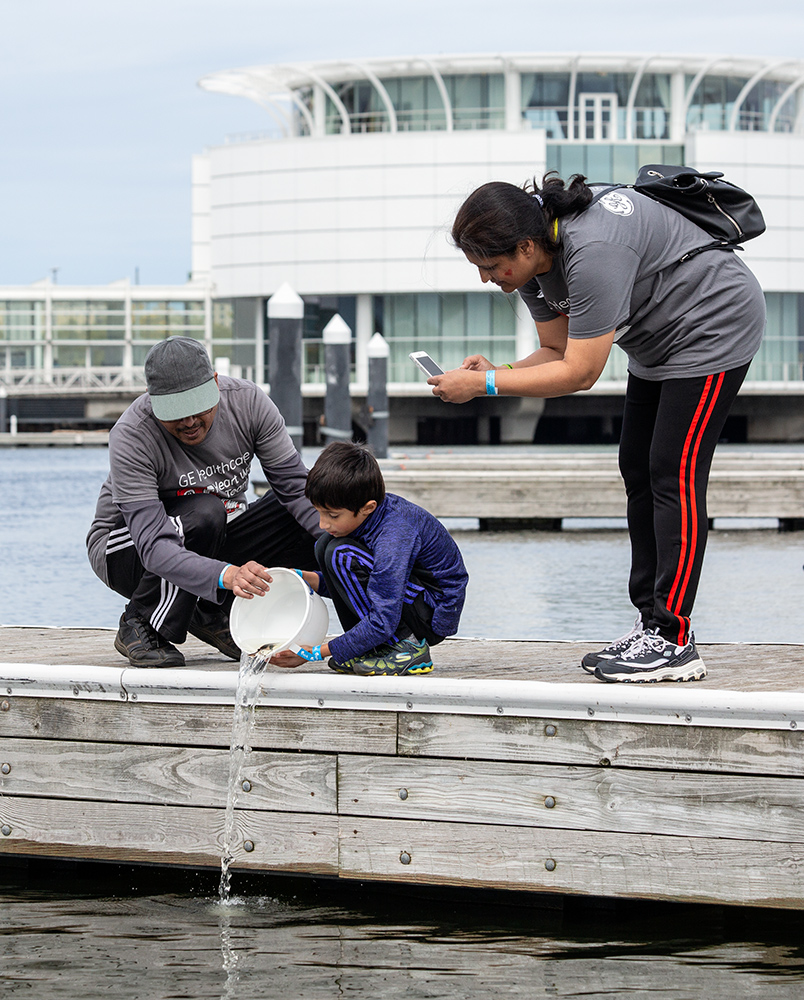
(716, 245)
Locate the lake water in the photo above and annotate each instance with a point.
(523, 585)
(85, 931)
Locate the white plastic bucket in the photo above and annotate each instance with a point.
(288, 616)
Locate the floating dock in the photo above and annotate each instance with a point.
(540, 489)
(508, 767)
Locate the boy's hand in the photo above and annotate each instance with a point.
(311, 579)
(287, 658)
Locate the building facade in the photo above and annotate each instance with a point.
(349, 197)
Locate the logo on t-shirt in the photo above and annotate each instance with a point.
(617, 203)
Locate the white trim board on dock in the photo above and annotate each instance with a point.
(690, 792)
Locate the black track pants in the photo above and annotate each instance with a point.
(347, 564)
(670, 430)
(265, 532)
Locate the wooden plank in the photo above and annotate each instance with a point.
(585, 492)
(769, 667)
(756, 808)
(327, 730)
(616, 744)
(682, 869)
(166, 775)
(502, 461)
(176, 835)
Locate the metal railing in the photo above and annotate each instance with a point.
(30, 381)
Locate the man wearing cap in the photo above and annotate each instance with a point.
(173, 532)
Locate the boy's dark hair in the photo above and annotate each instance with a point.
(345, 477)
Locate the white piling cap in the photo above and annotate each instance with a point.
(337, 331)
(378, 347)
(285, 304)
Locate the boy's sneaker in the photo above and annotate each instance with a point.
(408, 656)
(348, 667)
(212, 627)
(614, 649)
(653, 658)
(142, 645)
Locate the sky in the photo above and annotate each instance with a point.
(100, 109)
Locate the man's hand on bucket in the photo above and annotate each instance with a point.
(249, 580)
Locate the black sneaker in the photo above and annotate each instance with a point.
(212, 627)
(653, 658)
(142, 645)
(614, 649)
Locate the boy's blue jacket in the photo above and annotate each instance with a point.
(401, 534)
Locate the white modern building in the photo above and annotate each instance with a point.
(349, 196)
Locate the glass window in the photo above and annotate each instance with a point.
(69, 357)
(22, 320)
(780, 355)
(617, 163)
(106, 357)
(88, 319)
(712, 102)
(478, 100)
(417, 102)
(222, 320)
(544, 102)
(449, 327)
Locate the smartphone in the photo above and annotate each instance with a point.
(426, 363)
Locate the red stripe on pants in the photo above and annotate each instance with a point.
(686, 486)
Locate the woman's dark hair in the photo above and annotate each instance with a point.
(497, 217)
(344, 477)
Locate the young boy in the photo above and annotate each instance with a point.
(393, 572)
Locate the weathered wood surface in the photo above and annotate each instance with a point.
(603, 744)
(574, 798)
(276, 728)
(122, 772)
(567, 861)
(772, 667)
(553, 485)
(700, 812)
(55, 439)
(123, 831)
(586, 492)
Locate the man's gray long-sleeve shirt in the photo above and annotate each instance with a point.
(148, 465)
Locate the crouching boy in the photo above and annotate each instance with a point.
(393, 572)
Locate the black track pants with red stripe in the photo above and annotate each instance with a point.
(670, 429)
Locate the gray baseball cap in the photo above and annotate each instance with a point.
(180, 379)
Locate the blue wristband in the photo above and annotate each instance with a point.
(315, 655)
(491, 388)
(220, 578)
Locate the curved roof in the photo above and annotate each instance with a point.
(274, 86)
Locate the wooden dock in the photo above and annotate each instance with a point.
(508, 767)
(541, 489)
(55, 439)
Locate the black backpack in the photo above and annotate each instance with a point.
(722, 209)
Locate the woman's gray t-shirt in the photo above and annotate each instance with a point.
(618, 269)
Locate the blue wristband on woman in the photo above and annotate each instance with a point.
(491, 388)
(220, 578)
